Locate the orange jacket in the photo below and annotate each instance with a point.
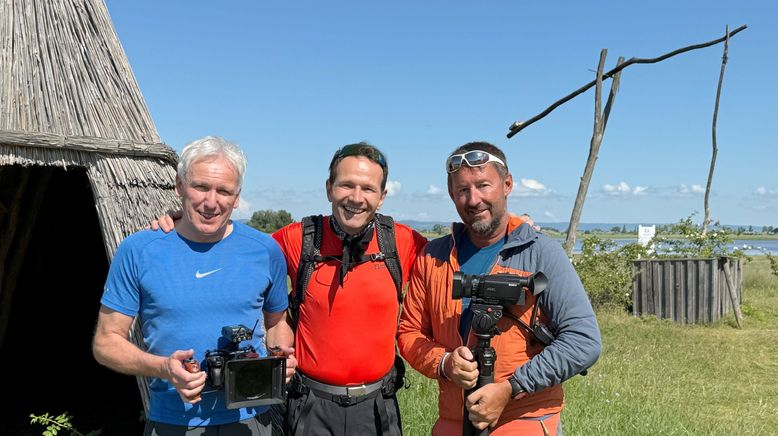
(429, 324)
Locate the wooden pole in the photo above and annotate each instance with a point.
(724, 57)
(600, 122)
(733, 294)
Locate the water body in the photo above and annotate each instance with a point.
(751, 247)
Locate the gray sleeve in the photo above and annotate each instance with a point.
(571, 319)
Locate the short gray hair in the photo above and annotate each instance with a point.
(212, 146)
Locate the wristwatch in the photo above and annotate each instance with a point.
(516, 389)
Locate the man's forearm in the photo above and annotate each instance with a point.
(421, 352)
(122, 356)
(279, 332)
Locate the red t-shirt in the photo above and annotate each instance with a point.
(346, 334)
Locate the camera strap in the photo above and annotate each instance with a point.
(535, 328)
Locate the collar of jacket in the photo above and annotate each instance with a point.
(517, 233)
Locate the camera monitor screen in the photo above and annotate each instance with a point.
(254, 382)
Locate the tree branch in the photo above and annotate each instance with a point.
(518, 126)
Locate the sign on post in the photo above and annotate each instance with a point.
(645, 234)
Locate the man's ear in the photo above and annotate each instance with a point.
(179, 186)
(381, 201)
(328, 187)
(508, 185)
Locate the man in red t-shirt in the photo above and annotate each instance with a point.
(345, 336)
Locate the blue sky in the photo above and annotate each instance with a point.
(290, 82)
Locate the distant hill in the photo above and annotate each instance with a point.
(562, 226)
(428, 225)
(421, 226)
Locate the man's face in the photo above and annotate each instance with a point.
(208, 197)
(480, 197)
(356, 192)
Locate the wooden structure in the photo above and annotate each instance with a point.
(81, 167)
(688, 291)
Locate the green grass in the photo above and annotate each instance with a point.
(656, 377)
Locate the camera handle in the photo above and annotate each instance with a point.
(192, 365)
(484, 326)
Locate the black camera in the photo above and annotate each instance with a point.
(490, 292)
(497, 288)
(247, 379)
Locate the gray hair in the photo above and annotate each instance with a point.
(212, 146)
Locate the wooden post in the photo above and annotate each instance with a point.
(724, 57)
(600, 121)
(733, 294)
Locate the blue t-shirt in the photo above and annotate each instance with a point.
(184, 293)
(474, 260)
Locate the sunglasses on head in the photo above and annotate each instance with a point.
(367, 151)
(474, 158)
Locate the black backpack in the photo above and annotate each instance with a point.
(310, 255)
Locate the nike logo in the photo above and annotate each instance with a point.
(199, 275)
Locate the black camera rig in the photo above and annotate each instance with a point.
(488, 294)
(247, 379)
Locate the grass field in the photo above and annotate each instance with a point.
(658, 378)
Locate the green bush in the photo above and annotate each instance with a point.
(688, 241)
(269, 221)
(606, 271)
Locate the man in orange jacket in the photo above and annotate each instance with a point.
(434, 333)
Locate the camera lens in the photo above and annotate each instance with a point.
(456, 290)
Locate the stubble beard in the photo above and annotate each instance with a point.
(487, 227)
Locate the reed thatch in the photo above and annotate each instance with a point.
(69, 99)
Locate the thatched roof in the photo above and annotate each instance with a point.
(68, 98)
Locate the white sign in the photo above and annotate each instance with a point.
(645, 234)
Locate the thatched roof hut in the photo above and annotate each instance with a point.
(81, 167)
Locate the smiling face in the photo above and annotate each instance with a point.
(481, 198)
(208, 196)
(355, 192)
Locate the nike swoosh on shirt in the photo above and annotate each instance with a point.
(199, 275)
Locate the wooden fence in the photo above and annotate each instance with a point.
(689, 291)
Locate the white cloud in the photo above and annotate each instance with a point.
(764, 192)
(393, 187)
(244, 210)
(434, 190)
(622, 189)
(550, 216)
(685, 191)
(530, 188)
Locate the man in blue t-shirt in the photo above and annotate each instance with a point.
(184, 286)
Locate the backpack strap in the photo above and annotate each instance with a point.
(309, 255)
(387, 245)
